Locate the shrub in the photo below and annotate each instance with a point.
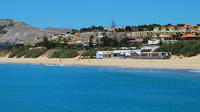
(14, 53)
(3, 32)
(186, 48)
(20, 54)
(34, 53)
(89, 54)
(64, 54)
(26, 53)
(46, 43)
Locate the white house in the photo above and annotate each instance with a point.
(151, 47)
(100, 36)
(154, 41)
(156, 29)
(166, 39)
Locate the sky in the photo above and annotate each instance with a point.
(84, 13)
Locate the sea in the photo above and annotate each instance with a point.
(54, 88)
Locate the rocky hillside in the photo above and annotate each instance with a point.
(15, 32)
(58, 30)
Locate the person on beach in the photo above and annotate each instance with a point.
(60, 61)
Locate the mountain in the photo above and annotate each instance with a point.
(15, 32)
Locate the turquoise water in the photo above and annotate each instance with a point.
(39, 88)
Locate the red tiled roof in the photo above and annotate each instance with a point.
(189, 35)
(171, 26)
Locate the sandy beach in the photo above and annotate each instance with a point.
(173, 63)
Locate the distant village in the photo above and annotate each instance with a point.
(152, 41)
(142, 40)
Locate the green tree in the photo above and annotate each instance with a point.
(186, 48)
(91, 41)
(128, 28)
(124, 42)
(145, 39)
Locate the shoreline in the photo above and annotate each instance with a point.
(173, 63)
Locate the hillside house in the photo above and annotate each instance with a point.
(166, 39)
(190, 37)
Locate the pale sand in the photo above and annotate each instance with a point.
(174, 63)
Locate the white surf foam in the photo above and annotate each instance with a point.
(195, 71)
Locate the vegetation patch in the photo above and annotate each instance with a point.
(90, 54)
(2, 27)
(186, 48)
(35, 53)
(14, 53)
(26, 52)
(64, 54)
(20, 54)
(3, 53)
(3, 32)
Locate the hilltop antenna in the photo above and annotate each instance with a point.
(113, 23)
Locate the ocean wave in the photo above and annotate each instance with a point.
(54, 65)
(195, 71)
(51, 65)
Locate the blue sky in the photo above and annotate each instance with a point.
(84, 13)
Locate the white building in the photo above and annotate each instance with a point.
(152, 47)
(154, 41)
(130, 54)
(117, 54)
(166, 39)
